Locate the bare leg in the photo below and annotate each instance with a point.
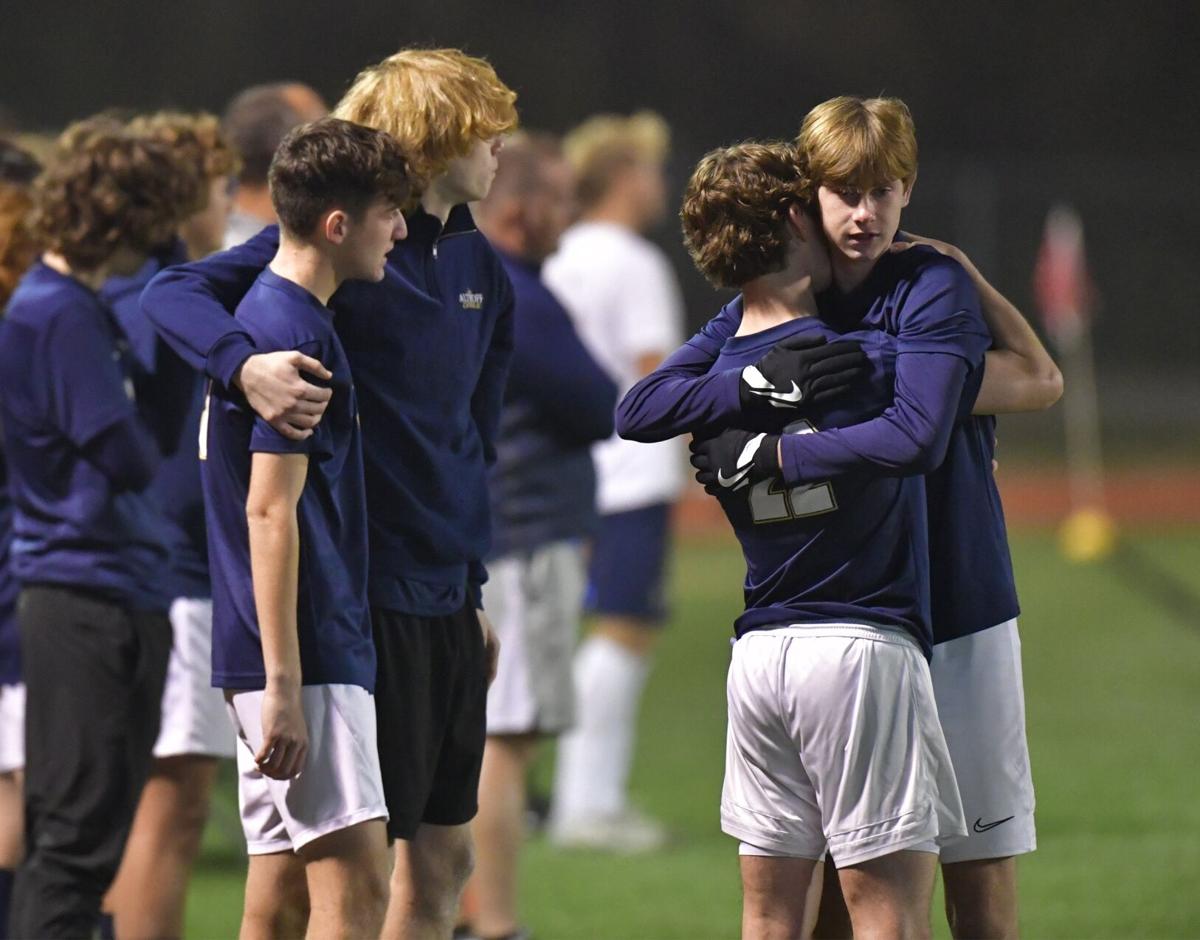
(774, 892)
(833, 920)
(499, 831)
(427, 881)
(981, 899)
(147, 897)
(889, 897)
(12, 819)
(347, 875)
(276, 904)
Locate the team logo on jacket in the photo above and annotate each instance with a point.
(469, 300)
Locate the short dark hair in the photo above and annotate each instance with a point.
(106, 187)
(255, 121)
(331, 164)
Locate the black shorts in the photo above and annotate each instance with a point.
(431, 710)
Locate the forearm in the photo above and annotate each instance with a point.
(680, 397)
(910, 437)
(274, 568)
(1020, 374)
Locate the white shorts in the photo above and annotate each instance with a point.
(340, 785)
(834, 741)
(981, 702)
(194, 720)
(12, 727)
(535, 601)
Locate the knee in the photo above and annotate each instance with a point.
(438, 876)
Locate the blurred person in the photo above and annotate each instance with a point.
(625, 301)
(88, 546)
(17, 252)
(287, 525)
(255, 121)
(429, 347)
(543, 493)
(147, 898)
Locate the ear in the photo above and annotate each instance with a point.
(797, 221)
(335, 225)
(909, 188)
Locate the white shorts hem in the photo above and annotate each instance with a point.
(306, 836)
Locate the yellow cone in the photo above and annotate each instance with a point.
(1087, 535)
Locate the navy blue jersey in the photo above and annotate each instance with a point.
(333, 622)
(177, 391)
(845, 550)
(558, 403)
(430, 347)
(65, 379)
(10, 641)
(971, 581)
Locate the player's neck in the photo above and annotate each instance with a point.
(774, 299)
(255, 201)
(849, 273)
(307, 266)
(616, 211)
(91, 278)
(439, 199)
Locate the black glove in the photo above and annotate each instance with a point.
(797, 372)
(734, 459)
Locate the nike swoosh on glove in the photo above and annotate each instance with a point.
(798, 371)
(735, 459)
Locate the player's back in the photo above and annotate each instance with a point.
(851, 550)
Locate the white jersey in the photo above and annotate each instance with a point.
(623, 296)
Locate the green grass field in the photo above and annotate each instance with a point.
(1113, 685)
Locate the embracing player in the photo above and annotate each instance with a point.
(847, 139)
(834, 740)
(429, 346)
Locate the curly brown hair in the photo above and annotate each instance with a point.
(735, 208)
(332, 164)
(105, 188)
(199, 144)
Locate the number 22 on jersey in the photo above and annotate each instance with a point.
(770, 502)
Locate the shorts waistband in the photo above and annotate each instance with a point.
(858, 631)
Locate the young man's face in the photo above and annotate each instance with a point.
(369, 238)
(469, 177)
(549, 210)
(204, 232)
(860, 224)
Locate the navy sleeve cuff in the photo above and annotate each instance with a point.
(227, 355)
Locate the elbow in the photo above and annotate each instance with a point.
(922, 454)
(1050, 386)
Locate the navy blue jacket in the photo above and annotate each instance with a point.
(429, 347)
(558, 402)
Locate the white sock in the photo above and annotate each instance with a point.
(595, 756)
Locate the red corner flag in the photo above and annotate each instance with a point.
(1060, 281)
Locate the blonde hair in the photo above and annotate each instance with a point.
(735, 210)
(859, 141)
(435, 102)
(603, 145)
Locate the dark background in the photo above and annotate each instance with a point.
(1017, 105)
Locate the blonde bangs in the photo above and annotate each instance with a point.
(859, 142)
(435, 102)
(644, 133)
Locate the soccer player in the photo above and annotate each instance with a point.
(972, 580)
(17, 253)
(287, 530)
(147, 898)
(834, 739)
(624, 298)
(255, 121)
(88, 547)
(543, 488)
(429, 347)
